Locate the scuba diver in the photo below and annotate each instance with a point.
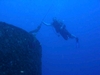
(61, 29)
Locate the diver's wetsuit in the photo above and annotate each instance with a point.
(65, 34)
(61, 29)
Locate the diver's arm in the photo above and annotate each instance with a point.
(46, 24)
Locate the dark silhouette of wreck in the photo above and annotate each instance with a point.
(20, 51)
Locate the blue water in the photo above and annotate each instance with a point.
(60, 57)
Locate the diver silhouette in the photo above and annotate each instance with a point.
(60, 28)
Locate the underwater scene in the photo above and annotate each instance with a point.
(49, 37)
